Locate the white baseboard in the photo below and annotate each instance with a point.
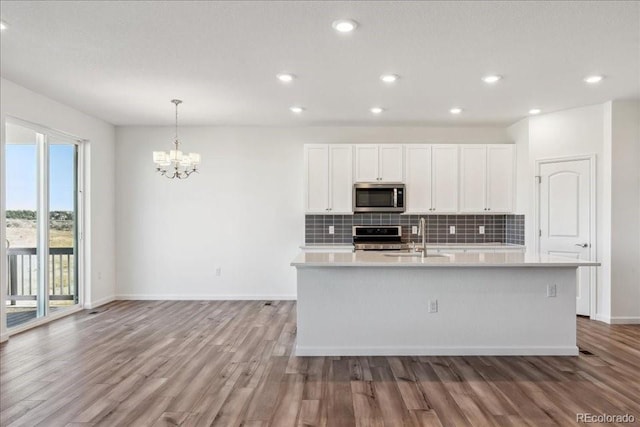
(619, 320)
(625, 320)
(437, 351)
(98, 303)
(174, 297)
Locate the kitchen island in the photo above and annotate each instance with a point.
(371, 303)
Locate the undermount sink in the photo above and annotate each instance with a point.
(414, 255)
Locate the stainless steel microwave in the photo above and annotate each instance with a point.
(377, 197)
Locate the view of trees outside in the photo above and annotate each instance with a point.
(22, 229)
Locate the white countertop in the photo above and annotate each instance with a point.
(490, 245)
(381, 259)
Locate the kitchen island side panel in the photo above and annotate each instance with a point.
(480, 311)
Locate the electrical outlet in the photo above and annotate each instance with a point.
(433, 306)
(452, 229)
(414, 229)
(481, 229)
(551, 290)
(332, 229)
(218, 271)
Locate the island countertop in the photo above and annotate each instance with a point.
(386, 259)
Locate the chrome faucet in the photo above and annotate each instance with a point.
(423, 235)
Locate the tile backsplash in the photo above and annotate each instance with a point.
(497, 228)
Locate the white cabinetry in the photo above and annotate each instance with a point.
(378, 162)
(500, 178)
(328, 178)
(486, 178)
(444, 173)
(418, 178)
(431, 178)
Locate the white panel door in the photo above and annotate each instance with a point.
(340, 178)
(473, 178)
(366, 163)
(390, 160)
(418, 178)
(565, 207)
(444, 176)
(316, 163)
(500, 172)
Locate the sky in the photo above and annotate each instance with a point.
(22, 178)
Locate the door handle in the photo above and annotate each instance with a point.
(582, 245)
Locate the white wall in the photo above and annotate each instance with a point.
(21, 103)
(611, 132)
(625, 210)
(569, 133)
(243, 213)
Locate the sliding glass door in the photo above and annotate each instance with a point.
(63, 229)
(42, 202)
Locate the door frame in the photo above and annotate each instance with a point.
(592, 216)
(81, 219)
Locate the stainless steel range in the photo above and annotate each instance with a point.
(378, 238)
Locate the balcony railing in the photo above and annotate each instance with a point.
(23, 274)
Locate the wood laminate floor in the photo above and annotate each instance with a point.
(231, 363)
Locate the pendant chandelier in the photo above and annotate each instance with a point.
(173, 163)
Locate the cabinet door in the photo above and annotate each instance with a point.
(340, 178)
(473, 178)
(366, 163)
(316, 164)
(418, 178)
(390, 161)
(444, 178)
(500, 181)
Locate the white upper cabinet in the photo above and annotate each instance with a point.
(366, 163)
(340, 179)
(328, 178)
(439, 178)
(390, 160)
(418, 178)
(381, 163)
(473, 182)
(431, 178)
(316, 166)
(500, 177)
(444, 175)
(486, 178)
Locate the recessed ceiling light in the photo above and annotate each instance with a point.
(376, 110)
(593, 79)
(535, 111)
(286, 77)
(3, 25)
(491, 78)
(455, 110)
(389, 78)
(296, 109)
(344, 25)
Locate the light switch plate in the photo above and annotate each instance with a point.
(551, 290)
(332, 229)
(452, 229)
(414, 229)
(481, 229)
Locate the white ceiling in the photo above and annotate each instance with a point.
(124, 61)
